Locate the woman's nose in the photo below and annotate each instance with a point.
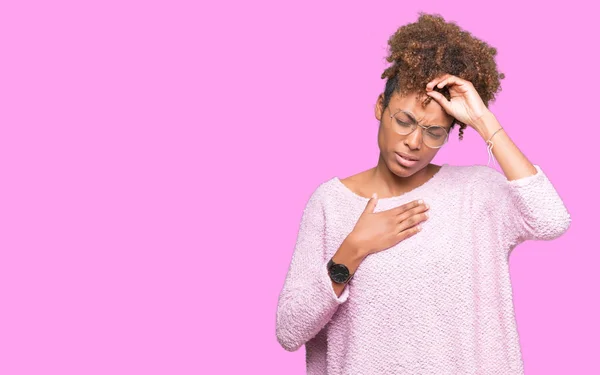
(415, 138)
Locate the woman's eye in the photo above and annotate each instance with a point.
(402, 123)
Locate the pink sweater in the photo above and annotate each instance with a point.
(439, 302)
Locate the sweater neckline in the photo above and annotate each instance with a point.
(426, 184)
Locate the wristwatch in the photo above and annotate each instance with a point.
(338, 272)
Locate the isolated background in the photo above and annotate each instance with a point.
(156, 157)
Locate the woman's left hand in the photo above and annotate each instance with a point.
(465, 104)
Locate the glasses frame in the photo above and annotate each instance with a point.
(415, 124)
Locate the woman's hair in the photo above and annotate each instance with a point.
(430, 47)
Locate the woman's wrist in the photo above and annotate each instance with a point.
(487, 126)
(350, 253)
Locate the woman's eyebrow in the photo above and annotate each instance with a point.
(412, 117)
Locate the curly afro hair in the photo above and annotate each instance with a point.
(430, 47)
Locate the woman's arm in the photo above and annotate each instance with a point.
(308, 299)
(513, 162)
(524, 202)
(528, 206)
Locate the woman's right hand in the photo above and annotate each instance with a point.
(378, 231)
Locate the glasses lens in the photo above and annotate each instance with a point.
(435, 136)
(402, 123)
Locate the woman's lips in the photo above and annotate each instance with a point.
(405, 162)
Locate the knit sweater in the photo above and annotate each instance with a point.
(438, 302)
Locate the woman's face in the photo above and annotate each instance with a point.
(391, 143)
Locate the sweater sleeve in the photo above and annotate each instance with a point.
(307, 301)
(528, 208)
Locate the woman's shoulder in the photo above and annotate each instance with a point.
(335, 189)
(477, 173)
(484, 183)
(354, 183)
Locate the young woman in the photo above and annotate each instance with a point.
(403, 268)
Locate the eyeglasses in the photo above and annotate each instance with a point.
(404, 123)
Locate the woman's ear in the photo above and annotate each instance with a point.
(379, 107)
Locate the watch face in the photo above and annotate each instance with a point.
(339, 273)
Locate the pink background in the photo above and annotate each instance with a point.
(156, 158)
